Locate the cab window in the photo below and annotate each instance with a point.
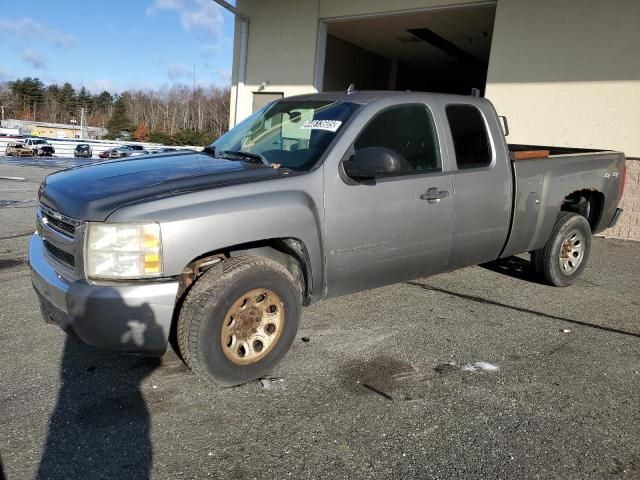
(470, 137)
(409, 131)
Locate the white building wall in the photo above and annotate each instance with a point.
(568, 73)
(281, 49)
(342, 8)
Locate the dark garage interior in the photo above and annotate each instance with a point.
(444, 50)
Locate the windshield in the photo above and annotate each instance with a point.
(38, 142)
(293, 134)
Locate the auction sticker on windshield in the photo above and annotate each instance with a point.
(329, 125)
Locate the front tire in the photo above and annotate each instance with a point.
(564, 257)
(238, 320)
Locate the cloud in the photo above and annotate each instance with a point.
(34, 58)
(6, 74)
(194, 14)
(174, 72)
(28, 28)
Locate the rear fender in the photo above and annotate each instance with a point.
(542, 187)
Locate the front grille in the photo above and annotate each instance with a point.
(58, 222)
(63, 257)
(59, 225)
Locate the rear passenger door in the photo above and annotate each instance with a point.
(385, 230)
(482, 185)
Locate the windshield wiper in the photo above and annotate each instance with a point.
(250, 156)
(210, 150)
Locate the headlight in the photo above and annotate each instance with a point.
(118, 251)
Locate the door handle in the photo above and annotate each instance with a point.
(434, 195)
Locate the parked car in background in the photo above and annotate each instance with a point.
(138, 153)
(83, 150)
(126, 151)
(39, 147)
(17, 149)
(106, 153)
(119, 152)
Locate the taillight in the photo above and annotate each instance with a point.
(623, 180)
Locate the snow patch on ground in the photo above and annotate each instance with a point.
(476, 366)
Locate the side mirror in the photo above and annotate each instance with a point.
(372, 162)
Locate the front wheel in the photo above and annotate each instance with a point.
(564, 257)
(239, 319)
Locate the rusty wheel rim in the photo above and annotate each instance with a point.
(252, 326)
(571, 252)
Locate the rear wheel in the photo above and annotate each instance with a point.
(564, 257)
(239, 320)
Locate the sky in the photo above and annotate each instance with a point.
(116, 44)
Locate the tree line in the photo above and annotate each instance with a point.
(175, 114)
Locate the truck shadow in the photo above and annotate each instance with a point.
(514, 308)
(100, 427)
(515, 267)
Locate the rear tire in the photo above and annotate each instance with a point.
(238, 320)
(564, 257)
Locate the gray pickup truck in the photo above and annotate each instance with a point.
(311, 197)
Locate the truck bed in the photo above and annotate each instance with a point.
(543, 176)
(526, 152)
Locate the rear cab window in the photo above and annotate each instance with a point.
(408, 130)
(470, 136)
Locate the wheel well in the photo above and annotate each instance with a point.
(588, 203)
(290, 252)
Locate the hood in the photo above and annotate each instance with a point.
(93, 192)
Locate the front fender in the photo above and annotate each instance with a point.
(197, 223)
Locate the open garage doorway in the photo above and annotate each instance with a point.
(438, 50)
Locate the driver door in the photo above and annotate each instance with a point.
(384, 231)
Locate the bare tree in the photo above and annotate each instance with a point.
(169, 111)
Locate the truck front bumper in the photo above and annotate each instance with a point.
(131, 317)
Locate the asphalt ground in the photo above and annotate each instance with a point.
(382, 388)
